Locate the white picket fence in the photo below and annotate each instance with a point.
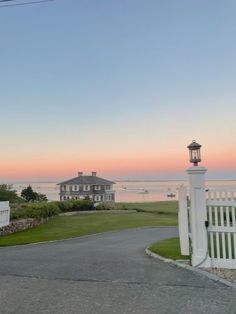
(221, 214)
(4, 214)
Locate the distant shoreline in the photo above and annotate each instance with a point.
(126, 180)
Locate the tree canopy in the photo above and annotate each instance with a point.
(7, 193)
(31, 196)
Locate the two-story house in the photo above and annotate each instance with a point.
(97, 189)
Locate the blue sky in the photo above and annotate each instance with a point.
(90, 83)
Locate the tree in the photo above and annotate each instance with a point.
(41, 197)
(31, 196)
(7, 193)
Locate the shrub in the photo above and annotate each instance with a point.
(37, 211)
(105, 206)
(75, 205)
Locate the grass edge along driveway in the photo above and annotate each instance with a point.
(168, 248)
(65, 227)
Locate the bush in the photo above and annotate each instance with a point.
(37, 211)
(75, 205)
(45, 210)
(105, 206)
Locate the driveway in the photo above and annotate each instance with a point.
(105, 273)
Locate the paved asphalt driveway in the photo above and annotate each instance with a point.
(106, 273)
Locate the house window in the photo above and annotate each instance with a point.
(64, 187)
(109, 197)
(108, 187)
(75, 188)
(97, 198)
(97, 187)
(86, 187)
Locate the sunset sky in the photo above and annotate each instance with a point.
(120, 87)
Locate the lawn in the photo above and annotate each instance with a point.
(169, 248)
(162, 207)
(65, 227)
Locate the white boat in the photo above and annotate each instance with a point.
(170, 193)
(143, 191)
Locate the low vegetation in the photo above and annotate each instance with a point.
(162, 207)
(169, 248)
(44, 209)
(37, 211)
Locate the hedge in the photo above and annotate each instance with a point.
(45, 210)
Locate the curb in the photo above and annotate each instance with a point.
(191, 268)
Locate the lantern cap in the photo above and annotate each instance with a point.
(194, 145)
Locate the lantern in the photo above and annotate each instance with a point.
(194, 153)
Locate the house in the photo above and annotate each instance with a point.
(97, 189)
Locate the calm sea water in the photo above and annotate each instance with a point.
(132, 191)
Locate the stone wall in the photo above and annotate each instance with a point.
(19, 225)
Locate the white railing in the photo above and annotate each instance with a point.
(221, 214)
(4, 214)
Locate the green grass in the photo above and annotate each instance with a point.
(64, 227)
(164, 207)
(83, 224)
(169, 248)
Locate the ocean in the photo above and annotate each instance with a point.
(132, 191)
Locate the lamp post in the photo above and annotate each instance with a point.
(194, 153)
(198, 207)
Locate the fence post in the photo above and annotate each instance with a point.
(183, 221)
(198, 216)
(4, 214)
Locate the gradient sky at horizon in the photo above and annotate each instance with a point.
(119, 87)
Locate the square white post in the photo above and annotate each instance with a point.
(198, 216)
(183, 221)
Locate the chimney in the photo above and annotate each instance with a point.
(80, 174)
(94, 174)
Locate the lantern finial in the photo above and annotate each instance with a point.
(194, 153)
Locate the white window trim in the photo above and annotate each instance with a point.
(97, 187)
(75, 188)
(97, 198)
(86, 188)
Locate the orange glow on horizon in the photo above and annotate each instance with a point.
(126, 165)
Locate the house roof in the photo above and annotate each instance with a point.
(87, 180)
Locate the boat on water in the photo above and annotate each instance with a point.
(170, 193)
(143, 191)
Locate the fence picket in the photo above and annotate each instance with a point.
(211, 233)
(217, 233)
(228, 234)
(234, 226)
